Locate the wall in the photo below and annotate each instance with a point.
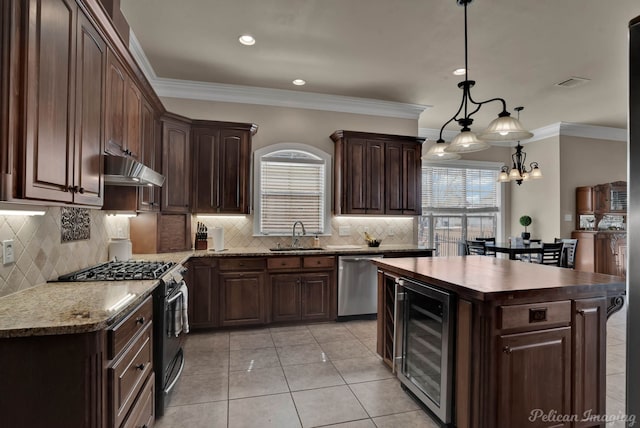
(587, 162)
(540, 198)
(41, 256)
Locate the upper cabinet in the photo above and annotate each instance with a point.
(123, 111)
(377, 174)
(176, 163)
(151, 155)
(221, 166)
(52, 135)
(611, 198)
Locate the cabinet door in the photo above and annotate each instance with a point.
(149, 197)
(133, 111)
(610, 250)
(375, 186)
(203, 293)
(585, 251)
(394, 171)
(115, 106)
(285, 292)
(589, 347)
(234, 164)
(534, 372)
(315, 299)
(206, 164)
(50, 100)
(411, 179)
(584, 200)
(355, 181)
(90, 58)
(242, 299)
(175, 166)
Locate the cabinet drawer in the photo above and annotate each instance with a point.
(317, 262)
(122, 333)
(142, 412)
(242, 264)
(535, 315)
(283, 262)
(127, 375)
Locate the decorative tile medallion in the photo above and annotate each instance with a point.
(75, 224)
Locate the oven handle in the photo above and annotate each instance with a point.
(176, 296)
(173, 383)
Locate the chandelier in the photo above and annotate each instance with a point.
(519, 171)
(502, 128)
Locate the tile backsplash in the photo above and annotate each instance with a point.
(40, 254)
(238, 231)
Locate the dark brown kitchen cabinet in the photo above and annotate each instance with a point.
(611, 253)
(376, 174)
(611, 198)
(204, 296)
(403, 178)
(123, 110)
(302, 288)
(584, 200)
(221, 166)
(176, 164)
(149, 197)
(53, 138)
(243, 294)
(535, 365)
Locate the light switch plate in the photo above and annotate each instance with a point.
(8, 255)
(344, 231)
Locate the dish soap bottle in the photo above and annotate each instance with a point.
(316, 242)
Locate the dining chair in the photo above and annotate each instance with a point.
(476, 248)
(491, 240)
(551, 252)
(568, 256)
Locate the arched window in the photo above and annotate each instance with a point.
(292, 183)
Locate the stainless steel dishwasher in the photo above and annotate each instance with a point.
(357, 285)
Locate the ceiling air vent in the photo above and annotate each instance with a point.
(572, 82)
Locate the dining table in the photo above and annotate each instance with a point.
(514, 249)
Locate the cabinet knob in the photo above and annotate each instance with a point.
(74, 189)
(65, 188)
(140, 320)
(81, 190)
(506, 349)
(140, 367)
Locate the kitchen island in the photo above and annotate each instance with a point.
(529, 339)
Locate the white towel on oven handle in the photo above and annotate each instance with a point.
(184, 316)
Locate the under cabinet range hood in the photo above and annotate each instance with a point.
(126, 171)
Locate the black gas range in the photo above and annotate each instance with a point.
(169, 306)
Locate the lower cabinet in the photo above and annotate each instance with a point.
(242, 298)
(204, 296)
(534, 373)
(300, 297)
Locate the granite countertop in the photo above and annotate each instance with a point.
(69, 307)
(80, 307)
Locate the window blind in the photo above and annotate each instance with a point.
(292, 190)
(459, 190)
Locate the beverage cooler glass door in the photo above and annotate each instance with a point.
(426, 345)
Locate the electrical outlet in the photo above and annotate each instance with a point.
(366, 228)
(344, 231)
(8, 255)
(390, 231)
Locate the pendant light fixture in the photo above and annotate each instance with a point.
(519, 171)
(503, 128)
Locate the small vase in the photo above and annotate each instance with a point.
(526, 236)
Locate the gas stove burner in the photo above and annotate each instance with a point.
(120, 271)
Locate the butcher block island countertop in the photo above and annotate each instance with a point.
(528, 337)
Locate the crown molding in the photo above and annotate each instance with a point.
(174, 88)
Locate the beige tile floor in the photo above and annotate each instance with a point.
(318, 375)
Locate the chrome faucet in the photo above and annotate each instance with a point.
(294, 239)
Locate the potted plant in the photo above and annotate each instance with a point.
(525, 220)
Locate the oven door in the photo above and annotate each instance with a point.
(424, 344)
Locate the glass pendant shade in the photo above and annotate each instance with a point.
(505, 128)
(503, 177)
(438, 152)
(466, 142)
(514, 174)
(536, 173)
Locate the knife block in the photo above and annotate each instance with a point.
(201, 244)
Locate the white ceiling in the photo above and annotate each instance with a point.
(404, 51)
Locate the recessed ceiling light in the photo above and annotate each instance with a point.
(247, 40)
(459, 71)
(299, 82)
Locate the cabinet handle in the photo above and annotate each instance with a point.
(506, 349)
(140, 320)
(140, 367)
(81, 190)
(66, 188)
(74, 189)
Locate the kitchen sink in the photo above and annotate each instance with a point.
(295, 249)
